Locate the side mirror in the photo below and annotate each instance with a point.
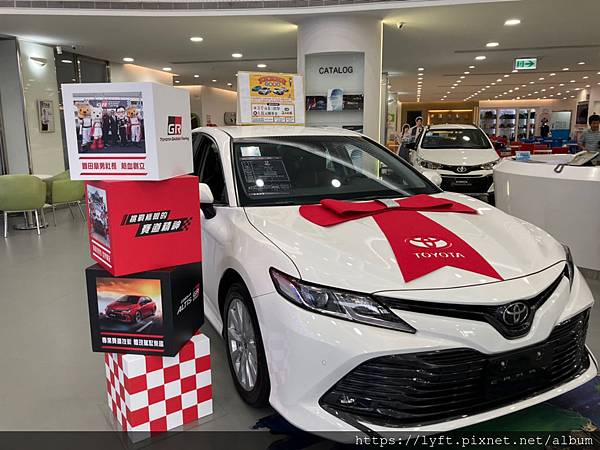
(433, 176)
(206, 196)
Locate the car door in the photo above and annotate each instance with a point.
(210, 171)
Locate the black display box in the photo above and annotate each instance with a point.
(148, 313)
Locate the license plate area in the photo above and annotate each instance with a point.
(458, 182)
(517, 371)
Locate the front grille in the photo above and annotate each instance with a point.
(476, 185)
(491, 314)
(430, 387)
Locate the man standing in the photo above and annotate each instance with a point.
(416, 131)
(591, 137)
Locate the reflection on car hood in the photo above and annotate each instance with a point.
(120, 306)
(356, 255)
(459, 157)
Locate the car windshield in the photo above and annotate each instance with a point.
(307, 169)
(455, 138)
(131, 299)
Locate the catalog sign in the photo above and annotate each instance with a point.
(270, 98)
(127, 131)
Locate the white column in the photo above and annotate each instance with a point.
(339, 34)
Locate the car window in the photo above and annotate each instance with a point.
(306, 169)
(212, 172)
(453, 138)
(197, 141)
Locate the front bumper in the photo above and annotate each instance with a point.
(121, 317)
(309, 353)
(472, 183)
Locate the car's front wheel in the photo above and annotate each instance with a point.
(245, 351)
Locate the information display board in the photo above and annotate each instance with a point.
(270, 99)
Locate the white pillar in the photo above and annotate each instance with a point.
(339, 34)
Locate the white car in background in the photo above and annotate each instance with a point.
(321, 322)
(462, 154)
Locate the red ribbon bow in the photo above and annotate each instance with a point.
(420, 244)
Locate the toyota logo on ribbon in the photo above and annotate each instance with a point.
(428, 242)
(461, 169)
(515, 314)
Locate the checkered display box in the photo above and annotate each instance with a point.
(159, 393)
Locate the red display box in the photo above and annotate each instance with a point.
(135, 226)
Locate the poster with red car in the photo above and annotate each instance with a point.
(152, 313)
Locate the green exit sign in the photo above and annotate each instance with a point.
(526, 63)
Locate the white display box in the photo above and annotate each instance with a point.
(127, 131)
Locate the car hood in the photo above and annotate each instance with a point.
(120, 307)
(459, 157)
(355, 255)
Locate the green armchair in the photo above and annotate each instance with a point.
(61, 190)
(21, 193)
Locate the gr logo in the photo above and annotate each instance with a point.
(174, 126)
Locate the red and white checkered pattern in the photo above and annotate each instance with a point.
(156, 393)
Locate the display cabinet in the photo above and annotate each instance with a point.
(513, 124)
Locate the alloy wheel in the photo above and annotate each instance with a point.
(241, 340)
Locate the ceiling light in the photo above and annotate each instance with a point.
(581, 63)
(587, 86)
(177, 81)
(214, 81)
(492, 44)
(471, 67)
(459, 81)
(532, 82)
(515, 71)
(516, 89)
(167, 69)
(419, 82)
(467, 72)
(261, 65)
(543, 90)
(196, 39)
(585, 78)
(462, 77)
(523, 85)
(420, 69)
(561, 84)
(541, 78)
(552, 74)
(506, 76)
(493, 84)
(236, 55)
(128, 59)
(452, 87)
(565, 68)
(229, 84)
(66, 61)
(572, 81)
(196, 76)
(480, 58)
(551, 87)
(512, 22)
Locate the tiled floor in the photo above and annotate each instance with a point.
(50, 379)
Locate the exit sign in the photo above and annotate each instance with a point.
(526, 63)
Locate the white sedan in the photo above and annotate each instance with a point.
(355, 295)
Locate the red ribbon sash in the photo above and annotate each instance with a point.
(420, 244)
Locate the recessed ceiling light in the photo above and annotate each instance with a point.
(515, 71)
(471, 67)
(229, 84)
(532, 82)
(523, 85)
(480, 58)
(581, 63)
(452, 87)
(587, 86)
(585, 78)
(493, 84)
(498, 80)
(167, 69)
(66, 61)
(236, 55)
(196, 39)
(561, 84)
(506, 76)
(420, 69)
(543, 90)
(572, 81)
(492, 44)
(261, 65)
(419, 82)
(552, 74)
(128, 59)
(462, 77)
(512, 22)
(467, 72)
(541, 78)
(565, 68)
(551, 87)
(214, 81)
(196, 76)
(177, 81)
(487, 86)
(459, 81)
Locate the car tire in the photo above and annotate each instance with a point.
(238, 309)
(138, 317)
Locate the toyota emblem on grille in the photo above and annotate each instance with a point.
(428, 242)
(461, 169)
(515, 314)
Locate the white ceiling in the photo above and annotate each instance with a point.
(444, 40)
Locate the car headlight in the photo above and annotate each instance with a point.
(345, 305)
(428, 164)
(570, 269)
(490, 165)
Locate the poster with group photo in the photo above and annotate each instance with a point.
(109, 123)
(270, 98)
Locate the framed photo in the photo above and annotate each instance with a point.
(46, 116)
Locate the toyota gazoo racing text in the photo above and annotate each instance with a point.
(355, 295)
(462, 154)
